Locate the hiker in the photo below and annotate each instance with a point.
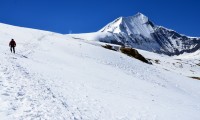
(12, 45)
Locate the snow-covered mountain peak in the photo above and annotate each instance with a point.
(139, 32)
(137, 24)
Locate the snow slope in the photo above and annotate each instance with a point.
(58, 77)
(187, 64)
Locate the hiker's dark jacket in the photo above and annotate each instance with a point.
(12, 43)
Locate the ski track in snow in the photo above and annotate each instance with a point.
(28, 96)
(27, 93)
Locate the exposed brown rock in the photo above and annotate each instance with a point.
(197, 78)
(133, 53)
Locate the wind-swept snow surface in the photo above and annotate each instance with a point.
(57, 77)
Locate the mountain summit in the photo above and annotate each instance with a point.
(138, 24)
(139, 32)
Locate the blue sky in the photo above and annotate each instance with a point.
(80, 16)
